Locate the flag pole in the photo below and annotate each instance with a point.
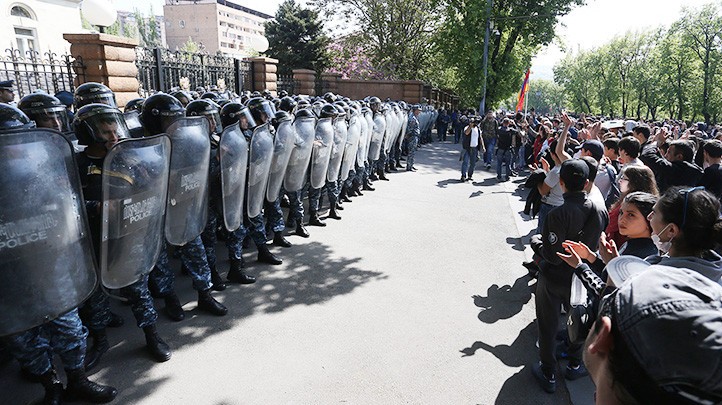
(526, 98)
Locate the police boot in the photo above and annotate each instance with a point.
(290, 220)
(373, 176)
(392, 167)
(265, 255)
(216, 280)
(398, 163)
(173, 307)
(343, 196)
(155, 345)
(315, 220)
(357, 190)
(301, 230)
(207, 303)
(339, 207)
(53, 388)
(332, 213)
(382, 175)
(352, 192)
(236, 273)
(81, 389)
(279, 240)
(367, 186)
(96, 351)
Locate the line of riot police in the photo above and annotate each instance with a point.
(92, 208)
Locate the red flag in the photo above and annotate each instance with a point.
(522, 93)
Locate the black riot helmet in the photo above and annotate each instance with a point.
(282, 94)
(47, 111)
(346, 109)
(329, 97)
(375, 104)
(237, 112)
(91, 92)
(211, 95)
(135, 104)
(183, 96)
(328, 111)
(99, 123)
(302, 104)
(276, 103)
(305, 113)
(13, 118)
(281, 116)
(287, 104)
(267, 95)
(206, 108)
(262, 110)
(159, 111)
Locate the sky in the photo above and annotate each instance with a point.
(586, 27)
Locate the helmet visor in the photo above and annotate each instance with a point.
(107, 127)
(245, 119)
(53, 118)
(267, 112)
(101, 98)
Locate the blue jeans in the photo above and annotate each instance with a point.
(489, 155)
(503, 157)
(468, 164)
(543, 212)
(457, 132)
(521, 160)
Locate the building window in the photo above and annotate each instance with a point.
(25, 39)
(19, 11)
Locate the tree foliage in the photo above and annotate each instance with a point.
(295, 37)
(667, 72)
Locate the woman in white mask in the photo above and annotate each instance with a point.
(686, 227)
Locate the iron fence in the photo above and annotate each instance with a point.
(162, 70)
(33, 71)
(286, 82)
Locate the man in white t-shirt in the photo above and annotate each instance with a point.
(472, 144)
(550, 190)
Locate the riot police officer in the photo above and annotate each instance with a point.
(99, 127)
(46, 110)
(91, 92)
(159, 112)
(65, 335)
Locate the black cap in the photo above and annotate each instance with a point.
(7, 85)
(574, 173)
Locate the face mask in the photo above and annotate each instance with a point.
(662, 246)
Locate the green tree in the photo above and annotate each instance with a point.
(545, 96)
(295, 37)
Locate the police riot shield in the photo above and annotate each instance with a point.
(390, 129)
(351, 148)
(132, 120)
(46, 259)
(322, 144)
(377, 136)
(362, 149)
(233, 155)
(304, 130)
(369, 134)
(187, 207)
(259, 165)
(135, 187)
(340, 134)
(404, 124)
(282, 148)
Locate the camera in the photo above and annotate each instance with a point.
(474, 120)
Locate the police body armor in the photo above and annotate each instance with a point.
(233, 155)
(282, 148)
(259, 166)
(340, 134)
(323, 142)
(351, 148)
(377, 136)
(304, 130)
(135, 187)
(46, 255)
(187, 208)
(132, 120)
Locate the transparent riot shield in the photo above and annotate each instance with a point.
(233, 153)
(370, 124)
(340, 134)
(135, 187)
(132, 120)
(259, 165)
(322, 144)
(377, 136)
(352, 142)
(390, 129)
(304, 129)
(187, 208)
(363, 141)
(282, 148)
(46, 255)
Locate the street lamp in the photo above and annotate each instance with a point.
(99, 12)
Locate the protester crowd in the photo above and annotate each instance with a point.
(169, 177)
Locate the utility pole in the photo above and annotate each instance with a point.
(482, 105)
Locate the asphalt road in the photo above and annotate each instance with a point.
(417, 296)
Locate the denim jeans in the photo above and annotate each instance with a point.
(521, 159)
(469, 162)
(503, 157)
(490, 144)
(541, 217)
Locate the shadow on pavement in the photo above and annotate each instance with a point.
(504, 302)
(311, 275)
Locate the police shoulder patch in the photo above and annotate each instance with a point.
(552, 238)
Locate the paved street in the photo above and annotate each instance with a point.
(417, 296)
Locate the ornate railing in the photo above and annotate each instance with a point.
(33, 71)
(162, 70)
(286, 82)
